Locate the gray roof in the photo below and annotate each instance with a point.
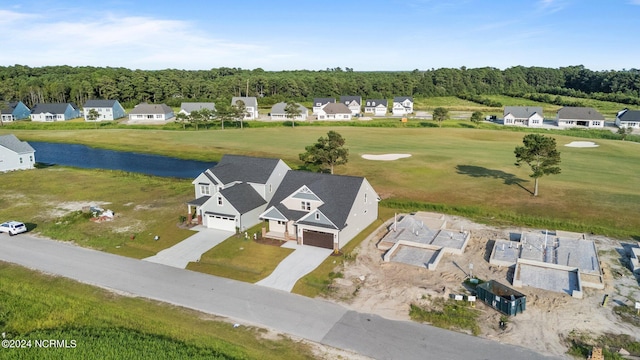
(8, 107)
(402, 98)
(336, 108)
(522, 112)
(145, 108)
(323, 101)
(197, 106)
(375, 102)
(100, 103)
(629, 115)
(581, 113)
(14, 144)
(279, 108)
(199, 201)
(247, 100)
(244, 168)
(58, 108)
(243, 197)
(349, 99)
(338, 192)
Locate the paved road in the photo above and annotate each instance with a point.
(313, 319)
(299, 263)
(191, 248)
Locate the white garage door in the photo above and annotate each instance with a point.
(221, 222)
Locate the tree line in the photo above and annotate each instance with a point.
(171, 86)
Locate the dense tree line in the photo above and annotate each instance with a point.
(77, 84)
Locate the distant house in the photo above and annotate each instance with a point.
(54, 112)
(250, 106)
(402, 105)
(278, 113)
(187, 107)
(334, 111)
(354, 103)
(235, 192)
(15, 154)
(570, 116)
(150, 112)
(377, 107)
(628, 119)
(321, 210)
(530, 116)
(107, 109)
(319, 103)
(13, 111)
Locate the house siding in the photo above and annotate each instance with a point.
(106, 113)
(10, 160)
(362, 213)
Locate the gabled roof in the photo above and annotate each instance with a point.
(336, 108)
(338, 192)
(8, 107)
(58, 108)
(580, 113)
(376, 102)
(249, 101)
(279, 108)
(244, 168)
(14, 144)
(197, 106)
(100, 103)
(399, 99)
(629, 115)
(522, 112)
(323, 101)
(145, 108)
(243, 197)
(349, 99)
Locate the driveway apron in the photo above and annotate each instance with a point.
(191, 248)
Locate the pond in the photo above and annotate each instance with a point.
(91, 158)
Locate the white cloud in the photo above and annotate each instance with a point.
(552, 6)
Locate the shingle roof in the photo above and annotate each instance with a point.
(336, 108)
(350, 99)
(522, 112)
(581, 113)
(244, 168)
(323, 101)
(402, 98)
(8, 107)
(58, 108)
(338, 192)
(243, 197)
(376, 102)
(14, 144)
(279, 108)
(630, 115)
(100, 103)
(197, 106)
(248, 101)
(145, 108)
(199, 201)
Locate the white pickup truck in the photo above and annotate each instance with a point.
(12, 227)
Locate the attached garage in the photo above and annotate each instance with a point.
(222, 222)
(316, 238)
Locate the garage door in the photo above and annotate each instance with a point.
(222, 222)
(318, 239)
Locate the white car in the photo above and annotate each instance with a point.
(13, 227)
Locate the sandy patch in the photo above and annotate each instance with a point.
(385, 157)
(63, 208)
(582, 144)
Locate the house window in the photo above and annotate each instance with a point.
(317, 216)
(270, 187)
(158, 116)
(21, 160)
(365, 198)
(219, 200)
(596, 123)
(281, 222)
(108, 110)
(204, 189)
(306, 205)
(30, 158)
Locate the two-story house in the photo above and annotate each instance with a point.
(319, 103)
(250, 104)
(354, 103)
(106, 109)
(402, 105)
(377, 107)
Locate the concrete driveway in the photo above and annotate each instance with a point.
(299, 263)
(191, 248)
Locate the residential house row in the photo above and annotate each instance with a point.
(567, 117)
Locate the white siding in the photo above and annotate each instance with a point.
(10, 160)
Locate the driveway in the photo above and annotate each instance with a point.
(298, 264)
(191, 248)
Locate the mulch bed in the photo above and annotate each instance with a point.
(268, 241)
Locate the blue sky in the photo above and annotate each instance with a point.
(315, 35)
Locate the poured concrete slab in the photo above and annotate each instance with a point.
(414, 256)
(549, 278)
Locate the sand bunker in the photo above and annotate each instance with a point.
(385, 157)
(582, 144)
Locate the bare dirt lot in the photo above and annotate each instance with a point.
(388, 289)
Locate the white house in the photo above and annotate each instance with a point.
(15, 154)
(106, 109)
(319, 103)
(530, 116)
(278, 112)
(354, 103)
(570, 116)
(54, 112)
(12, 111)
(334, 111)
(150, 113)
(187, 107)
(402, 105)
(628, 119)
(377, 107)
(250, 106)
